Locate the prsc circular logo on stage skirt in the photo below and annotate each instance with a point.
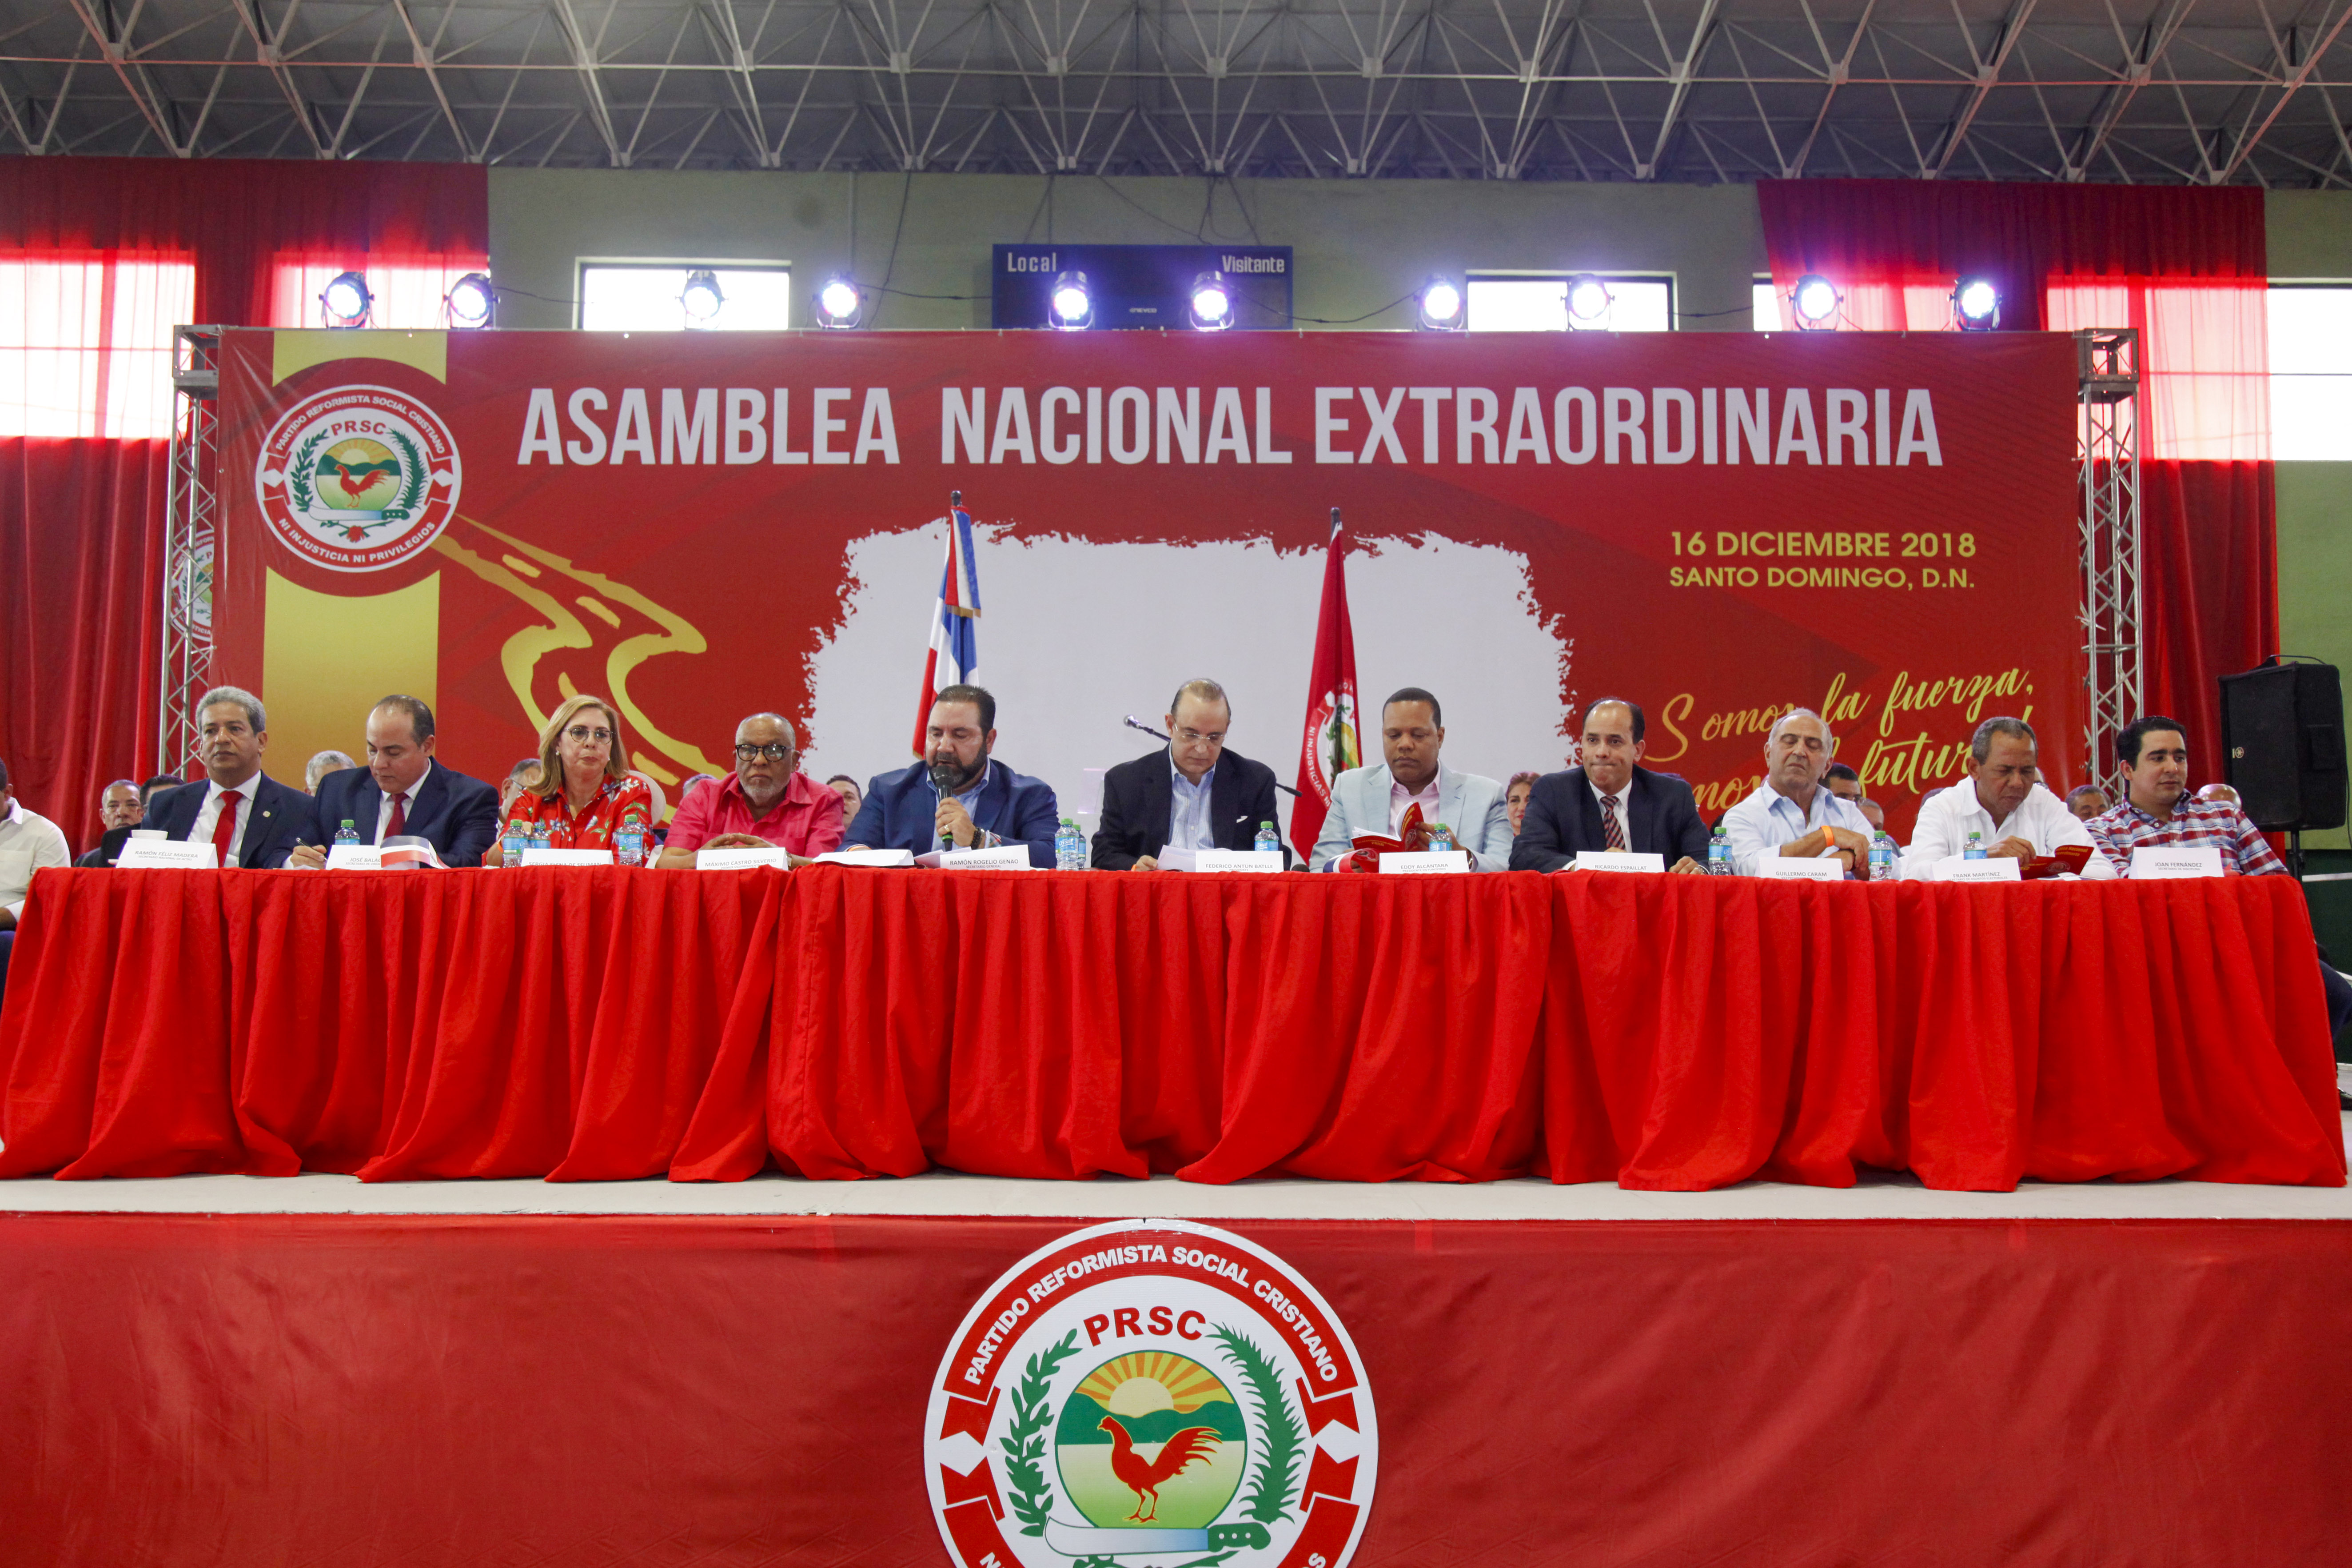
(357, 478)
(1151, 1393)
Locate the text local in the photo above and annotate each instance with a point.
(1431, 425)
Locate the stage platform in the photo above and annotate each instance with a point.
(941, 1194)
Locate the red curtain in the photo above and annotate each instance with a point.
(81, 580)
(81, 534)
(2208, 548)
(2187, 265)
(237, 218)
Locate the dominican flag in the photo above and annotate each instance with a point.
(954, 655)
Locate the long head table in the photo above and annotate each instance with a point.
(1664, 1032)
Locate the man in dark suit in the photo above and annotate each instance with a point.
(1611, 802)
(1195, 794)
(403, 791)
(247, 815)
(958, 791)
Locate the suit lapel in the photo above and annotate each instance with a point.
(430, 794)
(1222, 818)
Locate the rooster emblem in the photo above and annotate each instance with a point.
(357, 474)
(1145, 1477)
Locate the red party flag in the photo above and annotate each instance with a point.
(1328, 746)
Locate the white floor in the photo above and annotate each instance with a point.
(1884, 1197)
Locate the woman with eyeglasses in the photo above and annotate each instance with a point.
(581, 795)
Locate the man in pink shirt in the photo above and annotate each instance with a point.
(768, 802)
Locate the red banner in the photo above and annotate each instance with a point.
(701, 526)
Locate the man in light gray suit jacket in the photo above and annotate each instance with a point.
(1374, 799)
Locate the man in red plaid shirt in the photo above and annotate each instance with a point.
(2158, 812)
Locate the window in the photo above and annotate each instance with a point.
(1540, 304)
(86, 345)
(2204, 360)
(407, 298)
(2311, 373)
(1768, 311)
(648, 296)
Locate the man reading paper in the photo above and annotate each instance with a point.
(1195, 794)
(2003, 802)
(767, 801)
(1372, 801)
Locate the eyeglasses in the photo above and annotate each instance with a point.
(774, 751)
(580, 734)
(1194, 737)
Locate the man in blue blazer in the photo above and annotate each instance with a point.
(405, 792)
(958, 791)
(1569, 811)
(1223, 799)
(1373, 800)
(251, 818)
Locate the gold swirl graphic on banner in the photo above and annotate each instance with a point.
(564, 630)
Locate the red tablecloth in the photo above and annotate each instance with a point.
(1664, 1032)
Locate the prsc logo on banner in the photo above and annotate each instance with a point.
(1151, 1394)
(357, 478)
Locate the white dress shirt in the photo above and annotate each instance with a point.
(1947, 817)
(202, 833)
(384, 809)
(29, 842)
(1767, 819)
(1189, 823)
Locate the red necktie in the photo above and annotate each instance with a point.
(399, 819)
(225, 829)
(1609, 827)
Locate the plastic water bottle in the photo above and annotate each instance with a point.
(1267, 840)
(1069, 847)
(538, 837)
(1881, 858)
(1718, 854)
(347, 834)
(1975, 851)
(513, 845)
(1441, 838)
(629, 845)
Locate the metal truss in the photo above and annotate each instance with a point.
(191, 517)
(2107, 366)
(2151, 91)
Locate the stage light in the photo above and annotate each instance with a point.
(1975, 304)
(702, 298)
(1588, 300)
(346, 301)
(1441, 305)
(1816, 301)
(1213, 306)
(1073, 302)
(471, 301)
(839, 304)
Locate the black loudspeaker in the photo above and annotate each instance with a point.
(2283, 745)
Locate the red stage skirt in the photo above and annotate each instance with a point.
(1664, 1032)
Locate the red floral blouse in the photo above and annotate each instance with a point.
(624, 800)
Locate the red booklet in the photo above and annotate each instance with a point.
(1371, 846)
(2071, 858)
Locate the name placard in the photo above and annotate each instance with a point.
(1617, 860)
(567, 858)
(168, 854)
(1960, 868)
(1815, 868)
(1003, 857)
(354, 858)
(883, 857)
(1424, 862)
(743, 858)
(1254, 861)
(2160, 865)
